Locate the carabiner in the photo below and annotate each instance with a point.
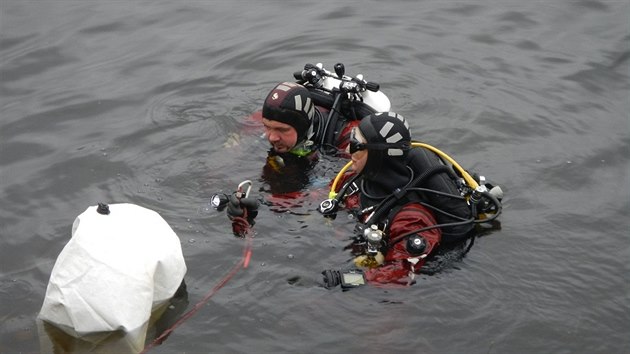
(239, 190)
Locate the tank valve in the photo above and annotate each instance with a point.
(374, 237)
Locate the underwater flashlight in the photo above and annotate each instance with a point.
(219, 201)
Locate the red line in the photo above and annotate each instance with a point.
(243, 262)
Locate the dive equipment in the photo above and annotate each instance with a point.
(345, 98)
(220, 200)
(244, 193)
(355, 88)
(330, 206)
(374, 238)
(348, 279)
(470, 181)
(352, 279)
(416, 245)
(241, 209)
(483, 199)
(122, 264)
(374, 243)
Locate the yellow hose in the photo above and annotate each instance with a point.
(467, 177)
(332, 193)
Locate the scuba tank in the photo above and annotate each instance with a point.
(341, 99)
(438, 176)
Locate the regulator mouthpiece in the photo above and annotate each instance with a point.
(328, 207)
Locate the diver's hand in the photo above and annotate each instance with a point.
(242, 212)
(251, 209)
(242, 207)
(234, 209)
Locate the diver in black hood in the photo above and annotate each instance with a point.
(393, 164)
(407, 200)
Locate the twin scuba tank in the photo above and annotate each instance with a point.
(355, 97)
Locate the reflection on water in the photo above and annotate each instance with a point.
(142, 103)
(56, 340)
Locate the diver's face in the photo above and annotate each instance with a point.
(359, 155)
(281, 136)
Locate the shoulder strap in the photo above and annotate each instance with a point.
(446, 209)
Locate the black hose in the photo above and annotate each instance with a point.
(492, 198)
(430, 227)
(444, 194)
(331, 121)
(389, 201)
(497, 205)
(443, 212)
(342, 191)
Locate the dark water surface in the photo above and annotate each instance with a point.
(148, 103)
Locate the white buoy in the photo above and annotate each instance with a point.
(122, 262)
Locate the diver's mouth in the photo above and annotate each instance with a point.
(280, 148)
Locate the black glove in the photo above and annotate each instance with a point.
(332, 278)
(246, 208)
(242, 212)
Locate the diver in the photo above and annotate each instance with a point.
(291, 120)
(301, 119)
(314, 114)
(318, 111)
(408, 202)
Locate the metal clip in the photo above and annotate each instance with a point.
(239, 189)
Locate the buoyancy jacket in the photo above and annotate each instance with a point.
(400, 264)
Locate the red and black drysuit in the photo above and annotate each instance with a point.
(400, 265)
(395, 182)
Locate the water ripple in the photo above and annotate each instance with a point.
(124, 102)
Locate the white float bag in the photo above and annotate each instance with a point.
(116, 269)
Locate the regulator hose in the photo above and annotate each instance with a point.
(331, 122)
(497, 204)
(332, 194)
(492, 198)
(392, 199)
(329, 207)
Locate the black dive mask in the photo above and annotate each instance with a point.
(355, 145)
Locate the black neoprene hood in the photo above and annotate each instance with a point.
(389, 129)
(290, 103)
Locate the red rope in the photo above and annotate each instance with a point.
(243, 262)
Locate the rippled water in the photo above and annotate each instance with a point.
(148, 103)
